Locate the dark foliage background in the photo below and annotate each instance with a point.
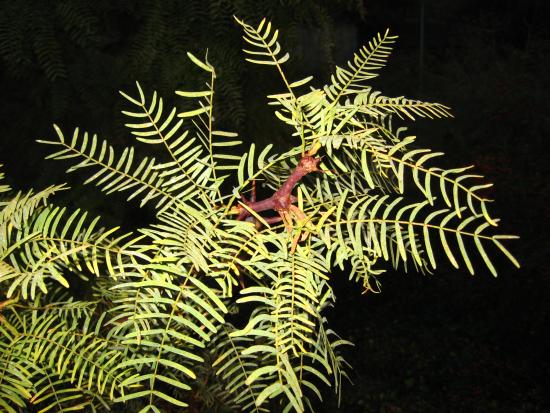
(446, 342)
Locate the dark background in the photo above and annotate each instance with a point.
(445, 342)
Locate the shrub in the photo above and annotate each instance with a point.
(162, 323)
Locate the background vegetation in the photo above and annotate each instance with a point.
(439, 343)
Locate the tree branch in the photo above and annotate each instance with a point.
(282, 199)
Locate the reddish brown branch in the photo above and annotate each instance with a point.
(282, 199)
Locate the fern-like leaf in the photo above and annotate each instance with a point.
(68, 364)
(265, 47)
(162, 321)
(373, 103)
(364, 66)
(41, 250)
(3, 187)
(112, 174)
(386, 221)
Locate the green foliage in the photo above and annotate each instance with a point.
(71, 49)
(163, 323)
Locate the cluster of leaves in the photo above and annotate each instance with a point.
(73, 48)
(159, 327)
